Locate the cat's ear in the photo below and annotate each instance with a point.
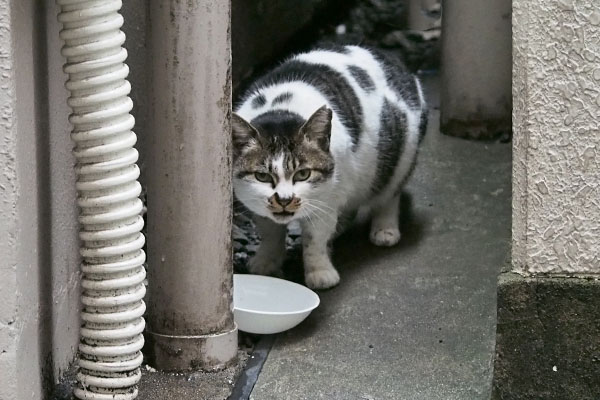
(242, 134)
(318, 128)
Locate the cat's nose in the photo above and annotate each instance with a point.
(283, 201)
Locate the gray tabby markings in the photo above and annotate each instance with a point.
(284, 97)
(330, 83)
(278, 135)
(422, 125)
(398, 77)
(391, 142)
(362, 78)
(259, 101)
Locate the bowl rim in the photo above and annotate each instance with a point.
(315, 296)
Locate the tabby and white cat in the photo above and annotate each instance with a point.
(327, 133)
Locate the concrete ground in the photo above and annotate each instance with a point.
(417, 321)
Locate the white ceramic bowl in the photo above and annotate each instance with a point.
(265, 305)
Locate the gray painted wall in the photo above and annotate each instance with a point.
(9, 228)
(556, 92)
(33, 312)
(38, 235)
(61, 206)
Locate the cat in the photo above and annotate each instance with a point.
(327, 133)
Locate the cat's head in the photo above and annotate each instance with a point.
(282, 164)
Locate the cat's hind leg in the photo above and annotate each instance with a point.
(271, 252)
(385, 230)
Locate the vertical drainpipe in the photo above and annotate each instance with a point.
(418, 18)
(189, 187)
(108, 190)
(476, 58)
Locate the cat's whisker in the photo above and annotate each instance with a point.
(316, 209)
(322, 208)
(250, 198)
(312, 213)
(308, 212)
(244, 213)
(315, 212)
(318, 216)
(321, 203)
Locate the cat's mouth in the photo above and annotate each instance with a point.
(283, 214)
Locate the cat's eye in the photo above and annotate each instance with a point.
(302, 175)
(263, 177)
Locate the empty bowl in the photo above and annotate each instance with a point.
(266, 305)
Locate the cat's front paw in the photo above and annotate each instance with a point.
(385, 237)
(322, 278)
(266, 263)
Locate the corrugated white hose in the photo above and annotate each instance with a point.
(108, 191)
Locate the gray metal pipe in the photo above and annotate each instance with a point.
(476, 68)
(189, 187)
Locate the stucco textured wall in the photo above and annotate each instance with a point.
(556, 168)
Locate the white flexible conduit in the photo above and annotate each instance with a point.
(108, 190)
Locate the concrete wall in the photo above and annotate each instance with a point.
(9, 229)
(33, 292)
(38, 235)
(556, 90)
